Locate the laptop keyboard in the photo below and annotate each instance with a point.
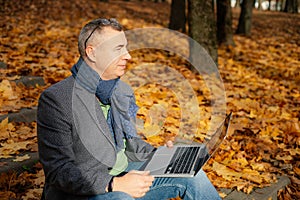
(182, 161)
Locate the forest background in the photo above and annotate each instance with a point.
(261, 75)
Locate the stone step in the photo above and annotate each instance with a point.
(24, 115)
(31, 81)
(9, 165)
(266, 193)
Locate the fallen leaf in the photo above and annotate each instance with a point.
(21, 158)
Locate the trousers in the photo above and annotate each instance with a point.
(198, 187)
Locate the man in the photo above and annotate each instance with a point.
(86, 134)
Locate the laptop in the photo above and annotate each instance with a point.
(187, 159)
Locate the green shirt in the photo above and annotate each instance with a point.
(122, 161)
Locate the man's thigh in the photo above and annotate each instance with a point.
(112, 196)
(198, 187)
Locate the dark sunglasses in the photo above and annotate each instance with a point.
(98, 24)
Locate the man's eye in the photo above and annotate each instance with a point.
(119, 48)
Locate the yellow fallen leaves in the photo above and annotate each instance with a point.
(14, 97)
(225, 172)
(7, 195)
(5, 129)
(6, 91)
(11, 148)
(293, 152)
(252, 175)
(284, 157)
(261, 76)
(168, 99)
(297, 170)
(152, 130)
(15, 139)
(262, 81)
(242, 179)
(261, 167)
(265, 129)
(34, 193)
(21, 158)
(13, 180)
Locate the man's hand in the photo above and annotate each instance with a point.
(169, 144)
(134, 183)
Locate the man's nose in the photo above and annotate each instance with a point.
(126, 55)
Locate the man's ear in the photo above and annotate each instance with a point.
(90, 53)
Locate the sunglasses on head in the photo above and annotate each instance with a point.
(98, 24)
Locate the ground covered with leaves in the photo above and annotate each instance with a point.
(261, 75)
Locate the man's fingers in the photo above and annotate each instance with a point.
(169, 144)
(140, 172)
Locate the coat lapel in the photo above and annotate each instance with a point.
(91, 124)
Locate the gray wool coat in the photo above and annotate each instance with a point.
(76, 148)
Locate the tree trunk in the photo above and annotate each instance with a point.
(291, 6)
(245, 19)
(224, 23)
(277, 5)
(178, 16)
(282, 2)
(202, 27)
(237, 3)
(259, 5)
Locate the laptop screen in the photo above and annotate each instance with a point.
(216, 139)
(212, 144)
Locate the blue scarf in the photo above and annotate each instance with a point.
(91, 81)
(117, 94)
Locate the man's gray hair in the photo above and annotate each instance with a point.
(97, 25)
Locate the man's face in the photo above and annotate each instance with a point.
(111, 54)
